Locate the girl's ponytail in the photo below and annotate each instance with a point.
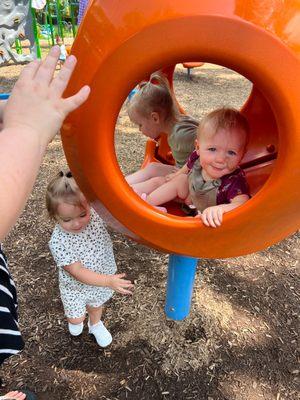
(155, 95)
(62, 188)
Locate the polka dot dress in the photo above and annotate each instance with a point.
(93, 248)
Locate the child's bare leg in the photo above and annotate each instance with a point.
(153, 169)
(148, 186)
(95, 314)
(177, 187)
(76, 321)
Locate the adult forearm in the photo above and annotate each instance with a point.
(21, 153)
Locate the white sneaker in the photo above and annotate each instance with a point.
(102, 335)
(75, 329)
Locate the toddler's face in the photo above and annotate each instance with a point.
(220, 153)
(148, 126)
(72, 218)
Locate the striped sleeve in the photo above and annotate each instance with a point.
(11, 341)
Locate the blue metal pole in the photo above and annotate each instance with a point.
(181, 277)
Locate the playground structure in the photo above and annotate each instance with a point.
(15, 25)
(190, 65)
(20, 23)
(260, 42)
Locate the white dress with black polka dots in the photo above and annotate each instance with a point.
(93, 248)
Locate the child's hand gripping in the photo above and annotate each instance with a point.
(212, 216)
(119, 284)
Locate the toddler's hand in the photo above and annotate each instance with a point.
(212, 216)
(119, 284)
(36, 102)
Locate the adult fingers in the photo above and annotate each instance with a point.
(28, 72)
(61, 81)
(75, 101)
(44, 74)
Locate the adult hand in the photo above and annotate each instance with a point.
(36, 104)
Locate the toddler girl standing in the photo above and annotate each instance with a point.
(153, 109)
(83, 252)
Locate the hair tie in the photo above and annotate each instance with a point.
(67, 174)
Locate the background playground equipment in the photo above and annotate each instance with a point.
(15, 25)
(190, 65)
(243, 36)
(57, 18)
(21, 23)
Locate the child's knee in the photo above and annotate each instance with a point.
(92, 309)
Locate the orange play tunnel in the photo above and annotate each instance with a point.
(117, 46)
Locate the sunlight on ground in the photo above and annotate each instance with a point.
(245, 388)
(239, 325)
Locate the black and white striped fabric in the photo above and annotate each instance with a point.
(11, 341)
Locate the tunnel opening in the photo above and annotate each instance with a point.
(209, 87)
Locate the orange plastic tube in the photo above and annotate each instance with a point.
(119, 43)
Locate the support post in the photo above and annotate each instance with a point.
(181, 277)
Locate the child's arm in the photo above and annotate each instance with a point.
(182, 170)
(84, 275)
(213, 216)
(32, 116)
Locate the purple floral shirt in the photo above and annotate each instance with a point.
(232, 185)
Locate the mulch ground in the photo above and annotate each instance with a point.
(240, 341)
